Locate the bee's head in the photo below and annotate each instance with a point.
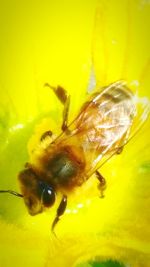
(37, 194)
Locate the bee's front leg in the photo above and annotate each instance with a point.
(60, 211)
(64, 98)
(102, 184)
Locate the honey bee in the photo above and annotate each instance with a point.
(100, 130)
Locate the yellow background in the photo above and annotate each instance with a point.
(60, 42)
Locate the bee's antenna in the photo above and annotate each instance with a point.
(11, 192)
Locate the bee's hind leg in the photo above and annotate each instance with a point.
(64, 98)
(60, 211)
(102, 184)
(119, 150)
(123, 142)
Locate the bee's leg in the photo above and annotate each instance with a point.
(119, 150)
(64, 126)
(64, 98)
(60, 211)
(102, 185)
(45, 134)
(122, 143)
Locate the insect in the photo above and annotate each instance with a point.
(100, 130)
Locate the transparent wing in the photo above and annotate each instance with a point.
(142, 108)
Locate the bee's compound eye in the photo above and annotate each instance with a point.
(48, 196)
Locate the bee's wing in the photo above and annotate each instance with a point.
(142, 105)
(105, 124)
(120, 116)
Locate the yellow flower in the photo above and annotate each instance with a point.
(51, 42)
